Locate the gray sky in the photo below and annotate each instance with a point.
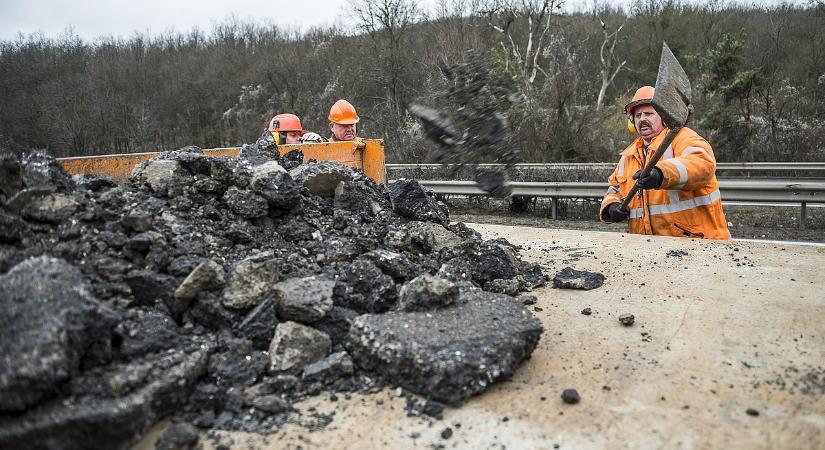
(95, 18)
(91, 19)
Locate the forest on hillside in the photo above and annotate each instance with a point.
(758, 76)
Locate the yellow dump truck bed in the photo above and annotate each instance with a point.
(367, 156)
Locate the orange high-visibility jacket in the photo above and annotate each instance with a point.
(688, 202)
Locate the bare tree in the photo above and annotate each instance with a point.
(387, 23)
(505, 17)
(607, 60)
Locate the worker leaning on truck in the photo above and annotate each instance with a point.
(681, 196)
(342, 120)
(286, 129)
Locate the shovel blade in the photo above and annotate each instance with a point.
(672, 96)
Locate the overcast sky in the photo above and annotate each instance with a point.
(96, 18)
(91, 19)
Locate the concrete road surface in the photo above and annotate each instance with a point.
(727, 351)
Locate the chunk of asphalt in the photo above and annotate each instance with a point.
(533, 274)
(48, 319)
(426, 292)
(137, 220)
(334, 366)
(126, 418)
(488, 260)
(422, 237)
(396, 265)
(510, 287)
(304, 300)
(259, 324)
(452, 355)
(206, 275)
(295, 345)
(569, 278)
(322, 178)
(246, 203)
(410, 200)
(165, 177)
(427, 407)
(273, 183)
(179, 436)
(251, 281)
(627, 319)
(53, 208)
(358, 196)
(370, 290)
(143, 331)
(570, 396)
(336, 324)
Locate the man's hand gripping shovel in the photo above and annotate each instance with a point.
(671, 100)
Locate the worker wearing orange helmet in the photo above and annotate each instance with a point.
(342, 120)
(287, 129)
(681, 196)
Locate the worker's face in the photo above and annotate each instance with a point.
(647, 120)
(342, 132)
(293, 137)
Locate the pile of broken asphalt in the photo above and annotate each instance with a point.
(221, 291)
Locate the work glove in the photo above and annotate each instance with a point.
(614, 213)
(652, 181)
(311, 137)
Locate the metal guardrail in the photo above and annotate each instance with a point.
(525, 165)
(745, 166)
(733, 190)
(762, 191)
(770, 166)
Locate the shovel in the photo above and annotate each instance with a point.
(671, 100)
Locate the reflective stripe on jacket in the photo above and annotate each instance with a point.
(687, 203)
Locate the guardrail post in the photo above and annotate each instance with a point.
(554, 209)
(802, 215)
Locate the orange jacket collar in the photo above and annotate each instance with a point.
(634, 146)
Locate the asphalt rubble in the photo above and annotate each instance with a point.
(221, 291)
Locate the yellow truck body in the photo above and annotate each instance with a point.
(366, 156)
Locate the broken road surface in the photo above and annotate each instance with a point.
(722, 329)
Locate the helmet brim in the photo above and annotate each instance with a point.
(346, 122)
(629, 107)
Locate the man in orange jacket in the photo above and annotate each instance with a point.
(342, 120)
(681, 196)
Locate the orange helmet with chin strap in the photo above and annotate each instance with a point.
(283, 123)
(643, 96)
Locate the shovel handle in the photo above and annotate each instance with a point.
(649, 166)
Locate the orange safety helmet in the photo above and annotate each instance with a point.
(285, 122)
(643, 96)
(343, 113)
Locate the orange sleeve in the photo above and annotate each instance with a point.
(693, 163)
